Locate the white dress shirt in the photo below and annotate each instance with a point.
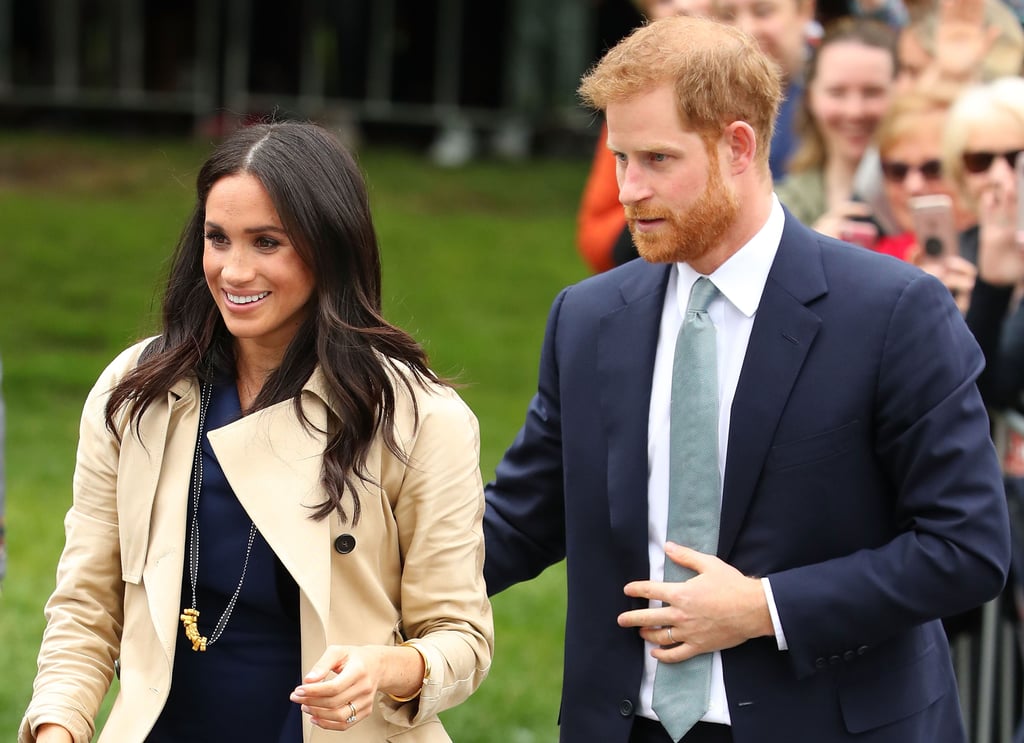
(740, 281)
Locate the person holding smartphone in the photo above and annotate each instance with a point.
(909, 141)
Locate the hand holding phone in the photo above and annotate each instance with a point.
(934, 226)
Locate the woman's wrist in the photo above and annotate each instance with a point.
(418, 660)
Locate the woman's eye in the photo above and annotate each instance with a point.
(266, 242)
(215, 237)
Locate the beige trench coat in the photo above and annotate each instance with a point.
(416, 570)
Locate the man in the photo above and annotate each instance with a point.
(860, 496)
(780, 29)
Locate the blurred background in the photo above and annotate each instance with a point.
(466, 78)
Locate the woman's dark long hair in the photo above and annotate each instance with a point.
(320, 196)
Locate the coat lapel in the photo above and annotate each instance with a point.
(273, 464)
(164, 468)
(783, 332)
(625, 399)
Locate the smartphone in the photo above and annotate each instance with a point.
(859, 232)
(933, 224)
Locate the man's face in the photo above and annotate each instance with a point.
(677, 203)
(778, 26)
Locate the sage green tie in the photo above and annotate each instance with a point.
(682, 690)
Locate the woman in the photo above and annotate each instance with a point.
(276, 527)
(984, 137)
(909, 142)
(850, 79)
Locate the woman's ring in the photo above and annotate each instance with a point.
(671, 641)
(351, 718)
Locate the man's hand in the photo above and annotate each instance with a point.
(718, 608)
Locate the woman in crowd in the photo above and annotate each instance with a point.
(984, 138)
(909, 141)
(849, 83)
(276, 526)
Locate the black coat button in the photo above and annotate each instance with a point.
(834, 660)
(849, 655)
(625, 708)
(820, 663)
(345, 544)
(862, 649)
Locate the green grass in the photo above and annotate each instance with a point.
(472, 260)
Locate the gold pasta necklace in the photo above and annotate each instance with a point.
(190, 616)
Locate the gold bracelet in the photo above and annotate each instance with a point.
(426, 672)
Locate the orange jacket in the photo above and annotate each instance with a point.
(600, 219)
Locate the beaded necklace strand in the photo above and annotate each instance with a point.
(190, 616)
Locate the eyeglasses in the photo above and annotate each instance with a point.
(897, 172)
(980, 162)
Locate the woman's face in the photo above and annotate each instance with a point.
(998, 134)
(261, 285)
(918, 153)
(849, 95)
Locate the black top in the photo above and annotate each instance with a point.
(238, 689)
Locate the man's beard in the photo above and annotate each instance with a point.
(690, 234)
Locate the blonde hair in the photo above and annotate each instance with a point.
(977, 104)
(718, 72)
(903, 117)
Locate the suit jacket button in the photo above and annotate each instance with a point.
(834, 660)
(625, 708)
(862, 649)
(345, 544)
(849, 655)
(820, 663)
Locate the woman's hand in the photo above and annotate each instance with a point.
(957, 273)
(962, 41)
(52, 733)
(1000, 260)
(847, 222)
(341, 688)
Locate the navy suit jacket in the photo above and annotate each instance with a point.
(860, 478)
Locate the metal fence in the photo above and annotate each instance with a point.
(988, 661)
(506, 66)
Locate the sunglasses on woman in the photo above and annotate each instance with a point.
(980, 162)
(897, 172)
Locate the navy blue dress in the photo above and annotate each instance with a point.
(238, 689)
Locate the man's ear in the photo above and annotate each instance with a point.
(742, 145)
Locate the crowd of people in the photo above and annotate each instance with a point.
(767, 528)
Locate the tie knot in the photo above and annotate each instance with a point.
(701, 294)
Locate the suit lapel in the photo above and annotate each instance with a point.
(625, 399)
(273, 464)
(783, 332)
